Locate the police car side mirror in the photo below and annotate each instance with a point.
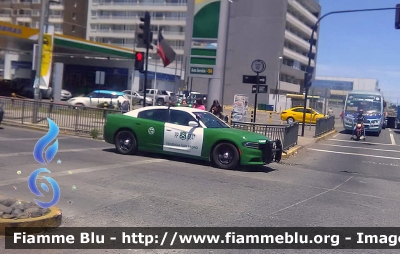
(193, 124)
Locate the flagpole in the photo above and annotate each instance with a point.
(133, 75)
(155, 81)
(176, 73)
(155, 73)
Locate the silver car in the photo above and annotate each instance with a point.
(138, 98)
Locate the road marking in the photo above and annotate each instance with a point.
(84, 170)
(392, 139)
(365, 155)
(381, 163)
(305, 200)
(25, 139)
(336, 135)
(365, 148)
(361, 142)
(59, 151)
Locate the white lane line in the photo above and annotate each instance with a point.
(305, 200)
(365, 148)
(360, 142)
(25, 139)
(84, 170)
(357, 154)
(392, 139)
(335, 135)
(59, 151)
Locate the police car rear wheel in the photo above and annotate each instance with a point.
(225, 156)
(125, 142)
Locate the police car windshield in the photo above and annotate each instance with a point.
(210, 120)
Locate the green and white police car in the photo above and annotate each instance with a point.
(189, 132)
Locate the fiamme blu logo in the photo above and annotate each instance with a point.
(44, 152)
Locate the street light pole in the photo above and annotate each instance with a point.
(39, 60)
(314, 28)
(278, 82)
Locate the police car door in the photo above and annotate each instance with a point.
(181, 138)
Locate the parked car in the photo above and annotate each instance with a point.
(162, 97)
(98, 97)
(138, 98)
(188, 132)
(296, 115)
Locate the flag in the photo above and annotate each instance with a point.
(164, 51)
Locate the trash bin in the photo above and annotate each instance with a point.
(269, 107)
(260, 106)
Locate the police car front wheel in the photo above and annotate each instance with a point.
(225, 156)
(125, 142)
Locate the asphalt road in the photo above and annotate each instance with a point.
(328, 184)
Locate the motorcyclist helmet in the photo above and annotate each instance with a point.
(360, 112)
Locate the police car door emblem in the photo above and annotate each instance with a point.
(151, 131)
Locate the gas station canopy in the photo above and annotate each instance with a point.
(22, 39)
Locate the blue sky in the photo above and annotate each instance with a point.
(363, 45)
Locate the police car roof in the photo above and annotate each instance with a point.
(135, 112)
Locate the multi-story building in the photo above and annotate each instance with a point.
(67, 16)
(276, 31)
(117, 21)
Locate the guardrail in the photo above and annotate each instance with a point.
(288, 134)
(324, 125)
(82, 120)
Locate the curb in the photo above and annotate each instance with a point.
(292, 151)
(322, 137)
(36, 225)
(38, 128)
(297, 148)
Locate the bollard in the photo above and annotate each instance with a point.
(252, 117)
(105, 110)
(51, 106)
(270, 118)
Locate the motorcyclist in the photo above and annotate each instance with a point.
(359, 119)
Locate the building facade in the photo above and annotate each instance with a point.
(117, 22)
(68, 17)
(340, 86)
(276, 31)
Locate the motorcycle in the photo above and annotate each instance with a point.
(360, 131)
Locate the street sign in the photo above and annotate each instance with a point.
(261, 89)
(248, 79)
(100, 75)
(201, 70)
(258, 66)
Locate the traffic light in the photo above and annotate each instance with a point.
(397, 18)
(147, 35)
(139, 61)
(307, 79)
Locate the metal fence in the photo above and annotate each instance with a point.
(324, 125)
(288, 134)
(82, 120)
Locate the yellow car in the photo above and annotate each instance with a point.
(296, 115)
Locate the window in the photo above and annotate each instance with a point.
(309, 111)
(210, 120)
(180, 117)
(73, 15)
(160, 115)
(94, 95)
(298, 110)
(73, 28)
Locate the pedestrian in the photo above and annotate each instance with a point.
(199, 104)
(342, 115)
(216, 109)
(330, 112)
